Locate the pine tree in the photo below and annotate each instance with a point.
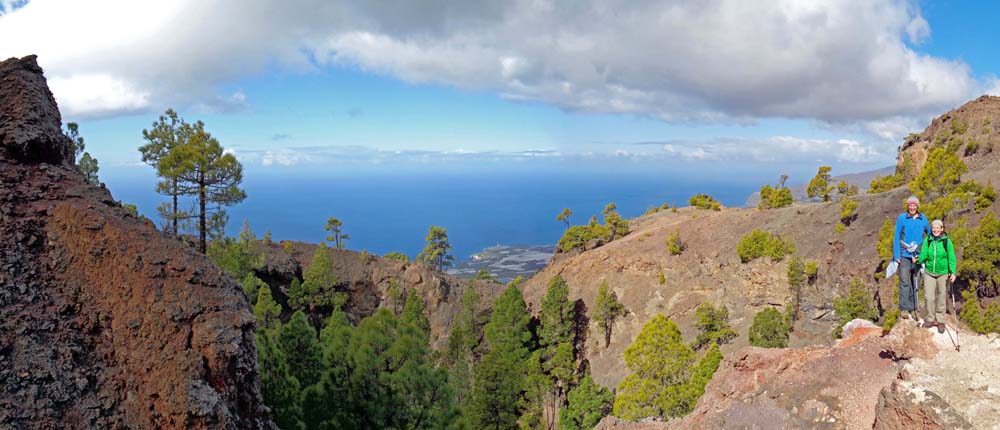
(942, 173)
(318, 288)
(587, 404)
(820, 186)
(337, 236)
(538, 391)
(980, 262)
(251, 284)
(466, 333)
(84, 162)
(204, 170)
(298, 342)
(796, 278)
(167, 133)
(239, 257)
(278, 386)
(564, 216)
(769, 329)
(332, 401)
(436, 251)
(607, 310)
(557, 314)
(617, 227)
(556, 335)
(415, 314)
(394, 382)
(267, 311)
(500, 375)
(713, 325)
(661, 365)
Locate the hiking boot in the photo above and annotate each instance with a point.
(940, 327)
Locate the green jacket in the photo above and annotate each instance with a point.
(938, 254)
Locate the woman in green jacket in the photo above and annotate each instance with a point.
(938, 256)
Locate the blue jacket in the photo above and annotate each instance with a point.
(910, 230)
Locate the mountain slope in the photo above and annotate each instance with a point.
(709, 270)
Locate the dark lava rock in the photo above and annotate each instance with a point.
(89, 339)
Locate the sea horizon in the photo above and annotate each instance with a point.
(391, 212)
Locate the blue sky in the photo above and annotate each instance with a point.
(353, 86)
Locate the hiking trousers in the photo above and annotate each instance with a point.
(907, 289)
(935, 294)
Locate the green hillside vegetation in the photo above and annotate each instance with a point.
(705, 201)
(775, 197)
(580, 237)
(760, 243)
(769, 330)
(667, 377)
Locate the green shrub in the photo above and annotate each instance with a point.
(665, 380)
(713, 326)
(971, 148)
(365, 257)
(848, 211)
(674, 244)
(251, 283)
(577, 237)
(796, 278)
(959, 127)
(769, 329)
(882, 184)
(777, 197)
(839, 228)
(763, 244)
(705, 201)
(397, 256)
(972, 314)
(132, 209)
(812, 271)
(857, 304)
(485, 275)
(663, 279)
(819, 187)
(657, 209)
(890, 318)
(941, 174)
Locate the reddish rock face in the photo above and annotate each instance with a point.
(104, 321)
(848, 386)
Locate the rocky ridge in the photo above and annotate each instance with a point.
(709, 269)
(367, 280)
(104, 321)
(912, 378)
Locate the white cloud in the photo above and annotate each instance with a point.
(83, 95)
(840, 62)
(783, 149)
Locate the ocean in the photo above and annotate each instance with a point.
(385, 212)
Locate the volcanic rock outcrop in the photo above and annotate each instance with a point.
(367, 279)
(104, 321)
(912, 378)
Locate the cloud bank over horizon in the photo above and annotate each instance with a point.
(851, 65)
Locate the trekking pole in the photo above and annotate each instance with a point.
(954, 314)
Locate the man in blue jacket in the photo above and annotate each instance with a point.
(911, 226)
